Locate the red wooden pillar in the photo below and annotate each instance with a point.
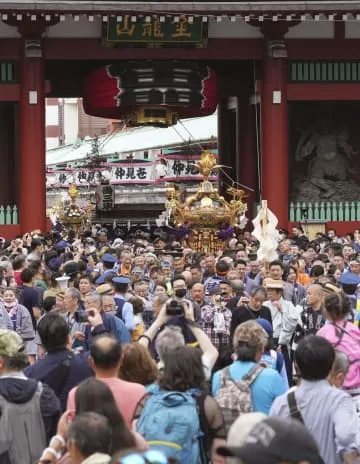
(248, 155)
(274, 144)
(225, 141)
(32, 185)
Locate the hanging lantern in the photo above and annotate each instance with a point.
(155, 93)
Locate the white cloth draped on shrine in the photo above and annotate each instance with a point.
(265, 231)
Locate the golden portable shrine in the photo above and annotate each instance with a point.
(70, 214)
(206, 217)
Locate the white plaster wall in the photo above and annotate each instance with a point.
(78, 29)
(52, 115)
(8, 32)
(227, 29)
(71, 121)
(312, 30)
(52, 142)
(352, 29)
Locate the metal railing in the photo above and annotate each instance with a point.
(325, 211)
(9, 215)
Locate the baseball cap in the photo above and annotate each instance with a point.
(273, 440)
(123, 280)
(265, 324)
(11, 343)
(108, 258)
(349, 278)
(101, 279)
(241, 428)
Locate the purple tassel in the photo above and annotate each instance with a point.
(181, 232)
(224, 234)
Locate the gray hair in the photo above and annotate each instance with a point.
(103, 297)
(258, 289)
(95, 298)
(74, 293)
(168, 340)
(341, 362)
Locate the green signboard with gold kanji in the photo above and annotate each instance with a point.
(156, 30)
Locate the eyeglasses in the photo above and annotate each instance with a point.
(149, 457)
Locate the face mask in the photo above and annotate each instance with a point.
(180, 292)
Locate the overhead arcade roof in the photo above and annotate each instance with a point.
(138, 139)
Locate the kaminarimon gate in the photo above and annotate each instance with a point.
(287, 91)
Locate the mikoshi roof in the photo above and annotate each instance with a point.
(139, 139)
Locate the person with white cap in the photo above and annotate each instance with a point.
(284, 319)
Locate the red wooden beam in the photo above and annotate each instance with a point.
(323, 49)
(10, 49)
(91, 49)
(339, 30)
(10, 231)
(222, 49)
(9, 92)
(217, 49)
(323, 92)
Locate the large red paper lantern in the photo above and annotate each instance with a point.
(151, 92)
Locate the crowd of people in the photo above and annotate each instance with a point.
(141, 351)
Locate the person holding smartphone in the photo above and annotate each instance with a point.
(249, 308)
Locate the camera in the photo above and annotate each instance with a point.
(174, 308)
(218, 301)
(81, 317)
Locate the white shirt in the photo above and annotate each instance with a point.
(284, 320)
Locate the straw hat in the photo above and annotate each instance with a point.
(104, 289)
(274, 284)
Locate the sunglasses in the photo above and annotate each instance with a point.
(149, 457)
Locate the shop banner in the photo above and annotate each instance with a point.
(162, 170)
(105, 196)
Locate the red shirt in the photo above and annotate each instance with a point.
(17, 277)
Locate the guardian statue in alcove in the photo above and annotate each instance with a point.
(328, 169)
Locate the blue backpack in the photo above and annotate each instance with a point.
(273, 360)
(170, 423)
